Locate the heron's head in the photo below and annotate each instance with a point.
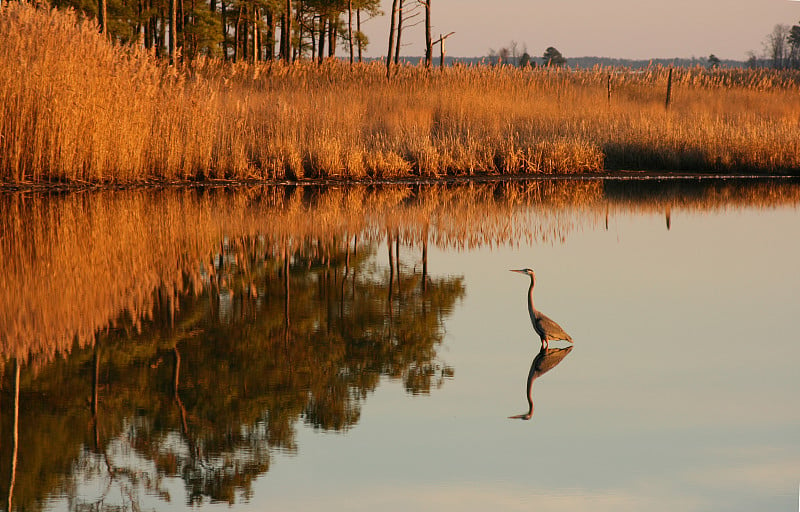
(526, 271)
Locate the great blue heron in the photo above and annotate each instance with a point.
(546, 328)
(545, 360)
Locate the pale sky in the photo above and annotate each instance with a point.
(634, 29)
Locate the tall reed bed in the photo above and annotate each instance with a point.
(75, 108)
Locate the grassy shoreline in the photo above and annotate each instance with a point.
(76, 110)
(618, 175)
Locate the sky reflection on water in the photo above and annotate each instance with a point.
(680, 392)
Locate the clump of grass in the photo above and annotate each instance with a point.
(76, 108)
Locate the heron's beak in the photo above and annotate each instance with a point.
(518, 271)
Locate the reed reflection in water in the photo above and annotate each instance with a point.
(148, 337)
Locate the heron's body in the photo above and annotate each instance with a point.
(547, 329)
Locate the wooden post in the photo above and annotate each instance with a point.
(669, 88)
(608, 85)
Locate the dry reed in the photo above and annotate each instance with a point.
(74, 108)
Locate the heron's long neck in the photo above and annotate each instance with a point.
(531, 307)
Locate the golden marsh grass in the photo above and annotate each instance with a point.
(74, 108)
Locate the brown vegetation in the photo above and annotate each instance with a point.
(74, 265)
(75, 108)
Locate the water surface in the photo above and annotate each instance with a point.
(361, 348)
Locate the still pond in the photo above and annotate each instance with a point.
(362, 348)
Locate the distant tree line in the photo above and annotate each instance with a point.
(518, 56)
(237, 30)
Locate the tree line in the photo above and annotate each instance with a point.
(515, 55)
(234, 30)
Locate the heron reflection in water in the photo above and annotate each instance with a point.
(545, 360)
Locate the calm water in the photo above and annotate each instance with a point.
(362, 349)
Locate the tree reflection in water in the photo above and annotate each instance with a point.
(214, 383)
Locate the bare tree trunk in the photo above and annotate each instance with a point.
(256, 36)
(399, 32)
(244, 36)
(224, 13)
(102, 16)
(358, 29)
(297, 51)
(313, 34)
(180, 42)
(270, 46)
(428, 45)
(162, 33)
(173, 29)
(237, 35)
(192, 48)
(322, 25)
(442, 51)
(391, 40)
(282, 44)
(141, 26)
(350, 29)
(287, 31)
(333, 28)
